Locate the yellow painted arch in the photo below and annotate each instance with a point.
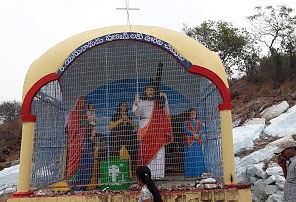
(53, 59)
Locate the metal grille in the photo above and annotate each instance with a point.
(107, 75)
(50, 141)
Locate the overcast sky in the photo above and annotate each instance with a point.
(31, 27)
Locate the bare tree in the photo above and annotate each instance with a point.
(273, 26)
(10, 110)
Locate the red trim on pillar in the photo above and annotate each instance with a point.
(225, 106)
(28, 118)
(224, 91)
(21, 194)
(26, 107)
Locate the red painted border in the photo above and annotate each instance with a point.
(21, 194)
(26, 107)
(224, 91)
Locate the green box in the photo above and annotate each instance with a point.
(115, 174)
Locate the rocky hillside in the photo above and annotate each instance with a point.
(249, 99)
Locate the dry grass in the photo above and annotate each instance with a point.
(265, 89)
(249, 99)
(287, 87)
(239, 111)
(249, 93)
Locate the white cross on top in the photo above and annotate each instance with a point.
(127, 8)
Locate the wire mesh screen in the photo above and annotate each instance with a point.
(120, 105)
(50, 141)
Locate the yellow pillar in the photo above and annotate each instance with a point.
(227, 147)
(26, 154)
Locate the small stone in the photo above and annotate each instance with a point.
(210, 186)
(199, 186)
(206, 175)
(208, 180)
